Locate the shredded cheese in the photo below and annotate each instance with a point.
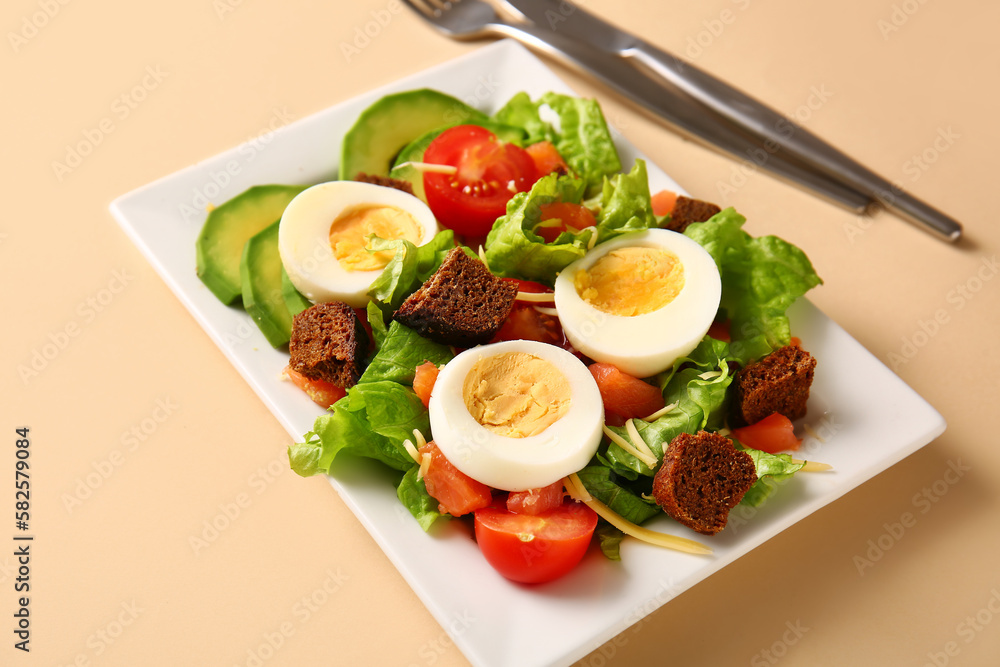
(649, 460)
(659, 413)
(482, 258)
(813, 466)
(809, 430)
(578, 492)
(427, 167)
(637, 440)
(592, 241)
(537, 297)
(411, 450)
(425, 463)
(421, 440)
(547, 311)
(710, 375)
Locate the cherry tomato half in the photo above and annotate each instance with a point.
(533, 549)
(489, 173)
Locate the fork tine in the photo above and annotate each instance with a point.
(441, 5)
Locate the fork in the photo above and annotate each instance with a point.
(468, 20)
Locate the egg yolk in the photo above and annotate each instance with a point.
(631, 281)
(516, 394)
(350, 231)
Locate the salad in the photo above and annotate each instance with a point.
(539, 377)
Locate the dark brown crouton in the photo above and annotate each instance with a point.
(385, 181)
(328, 343)
(688, 210)
(777, 383)
(462, 304)
(703, 476)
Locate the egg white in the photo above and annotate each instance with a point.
(517, 464)
(304, 238)
(643, 345)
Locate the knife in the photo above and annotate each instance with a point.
(563, 18)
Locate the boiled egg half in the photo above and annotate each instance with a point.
(324, 233)
(639, 301)
(516, 415)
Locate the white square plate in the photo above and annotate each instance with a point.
(867, 417)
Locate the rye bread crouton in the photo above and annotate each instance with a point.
(328, 343)
(385, 181)
(702, 478)
(688, 210)
(779, 382)
(462, 304)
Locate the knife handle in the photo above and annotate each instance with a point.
(770, 126)
(682, 112)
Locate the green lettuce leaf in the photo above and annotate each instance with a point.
(520, 111)
(408, 269)
(601, 484)
(625, 204)
(772, 471)
(610, 540)
(371, 421)
(413, 494)
(761, 278)
(514, 250)
(400, 352)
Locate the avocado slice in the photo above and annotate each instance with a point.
(414, 151)
(294, 300)
(260, 277)
(392, 122)
(227, 229)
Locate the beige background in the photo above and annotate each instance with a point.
(122, 554)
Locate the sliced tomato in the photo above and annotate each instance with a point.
(423, 381)
(771, 434)
(625, 396)
(320, 391)
(664, 202)
(547, 159)
(456, 492)
(489, 173)
(796, 341)
(533, 549)
(559, 217)
(525, 322)
(720, 331)
(536, 501)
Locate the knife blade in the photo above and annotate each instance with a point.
(570, 20)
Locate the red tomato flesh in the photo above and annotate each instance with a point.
(536, 501)
(533, 549)
(771, 434)
(625, 396)
(525, 322)
(423, 381)
(547, 159)
(664, 202)
(456, 492)
(489, 173)
(320, 391)
(559, 217)
(720, 331)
